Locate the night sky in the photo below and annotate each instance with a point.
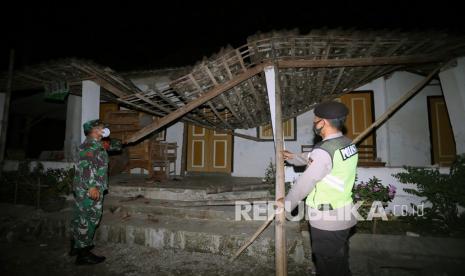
(137, 35)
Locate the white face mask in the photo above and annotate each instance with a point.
(105, 132)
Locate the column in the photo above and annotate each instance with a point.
(73, 127)
(90, 103)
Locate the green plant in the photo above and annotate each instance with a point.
(22, 185)
(373, 190)
(270, 174)
(445, 192)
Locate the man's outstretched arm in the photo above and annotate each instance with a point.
(316, 170)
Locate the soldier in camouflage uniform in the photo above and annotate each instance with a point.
(90, 183)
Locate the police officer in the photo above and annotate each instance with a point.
(90, 183)
(327, 183)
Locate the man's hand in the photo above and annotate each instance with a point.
(94, 194)
(287, 155)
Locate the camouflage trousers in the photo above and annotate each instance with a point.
(86, 218)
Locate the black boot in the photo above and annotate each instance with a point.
(85, 257)
(73, 251)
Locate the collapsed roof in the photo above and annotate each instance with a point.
(228, 90)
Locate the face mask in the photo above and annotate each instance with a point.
(105, 132)
(317, 130)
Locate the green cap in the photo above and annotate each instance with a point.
(89, 125)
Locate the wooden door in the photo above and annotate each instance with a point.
(360, 117)
(208, 151)
(442, 137)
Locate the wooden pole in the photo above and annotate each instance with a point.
(253, 237)
(280, 193)
(6, 110)
(393, 108)
(184, 150)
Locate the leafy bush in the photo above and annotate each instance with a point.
(373, 190)
(445, 192)
(23, 183)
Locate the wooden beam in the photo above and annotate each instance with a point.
(393, 108)
(218, 90)
(102, 82)
(230, 132)
(218, 115)
(149, 101)
(356, 62)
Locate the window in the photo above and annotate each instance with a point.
(289, 128)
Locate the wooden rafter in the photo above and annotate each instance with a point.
(195, 103)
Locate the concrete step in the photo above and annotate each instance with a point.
(163, 193)
(199, 235)
(168, 208)
(163, 231)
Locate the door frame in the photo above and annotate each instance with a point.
(430, 124)
(372, 103)
(186, 143)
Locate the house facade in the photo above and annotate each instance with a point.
(418, 134)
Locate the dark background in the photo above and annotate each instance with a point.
(139, 35)
(154, 34)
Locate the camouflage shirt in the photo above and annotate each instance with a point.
(92, 167)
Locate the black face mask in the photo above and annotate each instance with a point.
(316, 130)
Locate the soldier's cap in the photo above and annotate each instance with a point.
(89, 125)
(331, 110)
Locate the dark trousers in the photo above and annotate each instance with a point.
(331, 252)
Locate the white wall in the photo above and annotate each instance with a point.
(251, 158)
(409, 133)
(73, 127)
(404, 138)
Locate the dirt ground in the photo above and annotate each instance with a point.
(49, 257)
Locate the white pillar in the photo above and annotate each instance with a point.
(453, 88)
(90, 103)
(73, 127)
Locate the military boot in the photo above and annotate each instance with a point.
(74, 251)
(86, 257)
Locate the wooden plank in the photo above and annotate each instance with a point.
(218, 90)
(102, 82)
(149, 101)
(218, 115)
(393, 108)
(357, 62)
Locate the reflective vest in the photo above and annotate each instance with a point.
(336, 187)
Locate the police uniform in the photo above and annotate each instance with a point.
(327, 185)
(91, 172)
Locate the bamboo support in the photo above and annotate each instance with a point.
(280, 233)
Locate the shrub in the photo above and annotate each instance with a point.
(445, 192)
